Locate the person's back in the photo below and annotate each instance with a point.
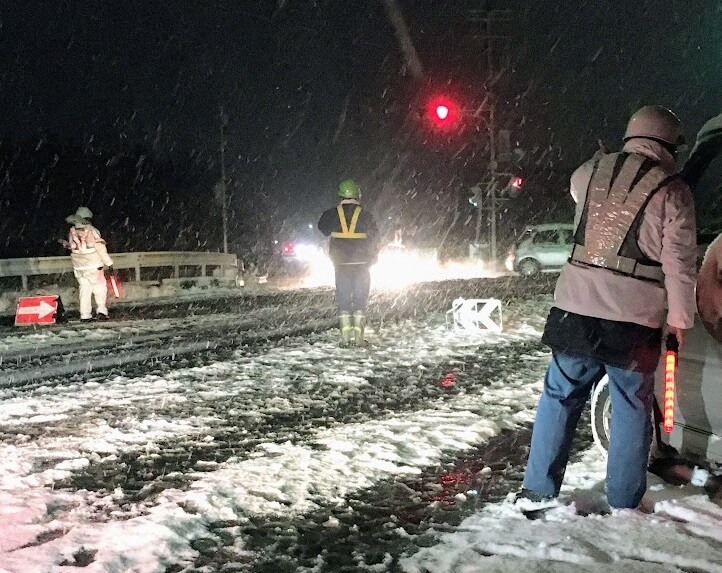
(664, 233)
(353, 249)
(631, 271)
(358, 243)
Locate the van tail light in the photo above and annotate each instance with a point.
(670, 381)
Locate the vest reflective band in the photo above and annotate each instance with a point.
(348, 231)
(616, 197)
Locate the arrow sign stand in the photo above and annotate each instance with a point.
(38, 310)
(476, 314)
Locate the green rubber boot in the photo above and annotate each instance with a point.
(359, 324)
(347, 330)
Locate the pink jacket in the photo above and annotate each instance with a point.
(667, 234)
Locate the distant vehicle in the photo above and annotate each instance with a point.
(294, 258)
(541, 248)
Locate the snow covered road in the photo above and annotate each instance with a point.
(291, 454)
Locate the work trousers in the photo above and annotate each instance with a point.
(353, 283)
(92, 283)
(568, 383)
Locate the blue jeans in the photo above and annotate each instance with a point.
(353, 283)
(568, 383)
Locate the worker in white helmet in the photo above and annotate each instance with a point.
(91, 262)
(630, 277)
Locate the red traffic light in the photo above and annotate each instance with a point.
(516, 182)
(442, 111)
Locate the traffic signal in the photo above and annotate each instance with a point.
(514, 186)
(443, 112)
(474, 196)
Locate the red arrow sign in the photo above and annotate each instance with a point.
(36, 310)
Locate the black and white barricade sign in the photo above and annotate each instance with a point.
(475, 315)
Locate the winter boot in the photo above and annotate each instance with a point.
(359, 323)
(347, 330)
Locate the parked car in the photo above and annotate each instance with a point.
(541, 248)
(697, 433)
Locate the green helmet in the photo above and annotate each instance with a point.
(348, 189)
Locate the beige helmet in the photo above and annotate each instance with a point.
(84, 213)
(655, 122)
(81, 217)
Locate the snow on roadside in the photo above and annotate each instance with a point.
(40, 528)
(679, 530)
(43, 530)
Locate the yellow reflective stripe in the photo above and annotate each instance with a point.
(342, 219)
(346, 232)
(354, 220)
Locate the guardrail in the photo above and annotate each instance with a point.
(25, 268)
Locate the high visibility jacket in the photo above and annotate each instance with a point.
(87, 249)
(353, 232)
(664, 231)
(620, 188)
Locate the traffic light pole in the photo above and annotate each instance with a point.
(495, 34)
(492, 170)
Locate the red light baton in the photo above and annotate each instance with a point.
(670, 381)
(115, 287)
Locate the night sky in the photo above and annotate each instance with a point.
(317, 90)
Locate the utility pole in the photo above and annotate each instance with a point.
(221, 192)
(489, 26)
(492, 173)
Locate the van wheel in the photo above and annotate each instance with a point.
(529, 267)
(601, 415)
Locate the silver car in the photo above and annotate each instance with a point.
(697, 433)
(541, 248)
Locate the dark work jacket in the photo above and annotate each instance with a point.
(350, 251)
(622, 344)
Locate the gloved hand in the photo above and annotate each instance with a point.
(109, 271)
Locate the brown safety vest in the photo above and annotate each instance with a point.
(620, 188)
(348, 231)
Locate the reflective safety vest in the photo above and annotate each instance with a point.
(82, 240)
(348, 231)
(619, 190)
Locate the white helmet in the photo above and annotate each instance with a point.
(81, 217)
(655, 122)
(84, 213)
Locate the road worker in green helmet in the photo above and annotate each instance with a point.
(353, 248)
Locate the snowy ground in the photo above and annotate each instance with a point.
(287, 453)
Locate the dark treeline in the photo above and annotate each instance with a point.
(143, 203)
(140, 203)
